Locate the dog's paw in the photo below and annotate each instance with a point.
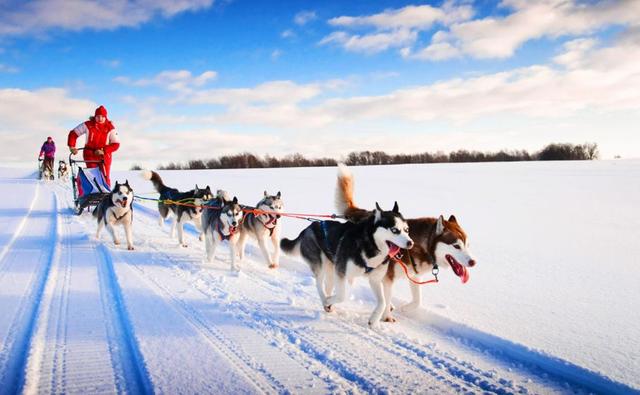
(389, 319)
(185, 245)
(329, 308)
(116, 242)
(273, 266)
(130, 248)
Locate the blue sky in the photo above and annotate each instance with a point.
(202, 78)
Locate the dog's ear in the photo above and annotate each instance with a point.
(377, 212)
(440, 226)
(235, 200)
(278, 195)
(126, 182)
(452, 219)
(197, 189)
(265, 193)
(395, 208)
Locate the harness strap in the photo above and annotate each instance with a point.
(434, 271)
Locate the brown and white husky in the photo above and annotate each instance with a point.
(436, 242)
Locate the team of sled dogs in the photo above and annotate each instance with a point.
(368, 244)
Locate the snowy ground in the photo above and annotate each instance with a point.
(551, 307)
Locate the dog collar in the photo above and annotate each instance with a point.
(222, 235)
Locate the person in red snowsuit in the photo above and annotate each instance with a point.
(102, 141)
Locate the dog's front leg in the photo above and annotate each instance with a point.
(387, 286)
(181, 233)
(263, 248)
(275, 239)
(111, 230)
(174, 225)
(210, 246)
(233, 246)
(242, 243)
(129, 235)
(376, 285)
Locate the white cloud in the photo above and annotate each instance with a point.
(35, 17)
(173, 80)
(8, 69)
(304, 17)
(393, 28)
(28, 117)
(110, 63)
(371, 43)
(276, 53)
(287, 34)
(500, 37)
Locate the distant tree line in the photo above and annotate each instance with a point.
(555, 151)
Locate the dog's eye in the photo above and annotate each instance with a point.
(395, 231)
(456, 246)
(406, 229)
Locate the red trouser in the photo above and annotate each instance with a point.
(89, 155)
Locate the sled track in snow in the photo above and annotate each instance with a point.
(14, 354)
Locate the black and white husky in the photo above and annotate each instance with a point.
(221, 221)
(263, 227)
(116, 209)
(342, 251)
(190, 211)
(63, 170)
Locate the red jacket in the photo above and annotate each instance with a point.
(99, 136)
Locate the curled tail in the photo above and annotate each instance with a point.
(344, 196)
(291, 247)
(155, 179)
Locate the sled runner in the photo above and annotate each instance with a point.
(89, 185)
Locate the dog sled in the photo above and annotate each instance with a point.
(88, 183)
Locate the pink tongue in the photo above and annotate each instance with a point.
(465, 275)
(393, 250)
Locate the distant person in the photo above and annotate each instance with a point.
(102, 141)
(48, 151)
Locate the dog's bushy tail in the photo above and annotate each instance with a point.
(344, 196)
(291, 247)
(155, 179)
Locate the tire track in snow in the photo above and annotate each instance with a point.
(19, 228)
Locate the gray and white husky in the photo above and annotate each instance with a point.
(183, 213)
(340, 251)
(263, 227)
(221, 221)
(116, 209)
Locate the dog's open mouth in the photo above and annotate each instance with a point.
(232, 229)
(122, 203)
(393, 249)
(458, 269)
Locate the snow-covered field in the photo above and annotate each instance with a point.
(552, 306)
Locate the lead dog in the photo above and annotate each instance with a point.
(437, 242)
(116, 209)
(190, 211)
(220, 221)
(263, 227)
(345, 250)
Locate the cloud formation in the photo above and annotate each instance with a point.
(20, 17)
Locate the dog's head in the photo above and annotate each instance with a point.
(271, 203)
(62, 165)
(391, 230)
(231, 215)
(122, 195)
(451, 247)
(201, 196)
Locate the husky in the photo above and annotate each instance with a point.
(439, 243)
(221, 221)
(63, 170)
(341, 251)
(182, 213)
(116, 209)
(264, 226)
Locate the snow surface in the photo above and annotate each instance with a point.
(551, 307)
